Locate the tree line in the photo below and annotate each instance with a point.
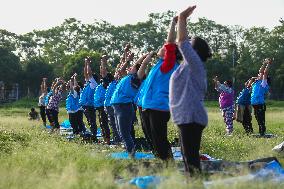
(238, 52)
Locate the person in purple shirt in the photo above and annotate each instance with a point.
(226, 101)
(52, 108)
(188, 85)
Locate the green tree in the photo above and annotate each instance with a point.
(10, 67)
(76, 64)
(35, 69)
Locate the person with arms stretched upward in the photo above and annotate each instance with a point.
(188, 86)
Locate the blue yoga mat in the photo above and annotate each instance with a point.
(146, 181)
(65, 124)
(138, 155)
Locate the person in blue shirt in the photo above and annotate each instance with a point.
(244, 108)
(259, 89)
(155, 97)
(99, 98)
(73, 107)
(109, 109)
(122, 102)
(87, 98)
(138, 102)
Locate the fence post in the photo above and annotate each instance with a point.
(17, 91)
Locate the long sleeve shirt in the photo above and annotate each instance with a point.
(188, 86)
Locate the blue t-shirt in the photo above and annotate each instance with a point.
(46, 100)
(138, 97)
(125, 90)
(72, 102)
(156, 88)
(244, 97)
(99, 96)
(259, 89)
(109, 92)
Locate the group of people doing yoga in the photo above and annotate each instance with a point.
(174, 87)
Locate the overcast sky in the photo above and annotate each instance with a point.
(22, 16)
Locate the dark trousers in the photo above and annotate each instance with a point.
(103, 123)
(259, 113)
(247, 120)
(42, 114)
(76, 121)
(156, 126)
(52, 116)
(190, 138)
(90, 114)
(111, 120)
(144, 129)
(124, 118)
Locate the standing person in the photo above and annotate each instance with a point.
(226, 102)
(122, 102)
(155, 97)
(52, 108)
(244, 108)
(41, 101)
(138, 102)
(87, 98)
(109, 109)
(259, 88)
(73, 107)
(188, 86)
(119, 73)
(99, 98)
(49, 93)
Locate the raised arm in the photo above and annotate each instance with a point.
(71, 84)
(61, 85)
(266, 70)
(181, 25)
(54, 84)
(250, 81)
(216, 82)
(103, 70)
(145, 62)
(44, 85)
(170, 49)
(129, 58)
(88, 70)
(75, 83)
(261, 69)
(85, 70)
(172, 34)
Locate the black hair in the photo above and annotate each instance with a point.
(202, 49)
(80, 84)
(268, 80)
(96, 77)
(137, 66)
(229, 83)
(178, 54)
(77, 89)
(32, 109)
(109, 77)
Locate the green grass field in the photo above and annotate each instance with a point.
(32, 158)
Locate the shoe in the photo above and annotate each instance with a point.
(229, 134)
